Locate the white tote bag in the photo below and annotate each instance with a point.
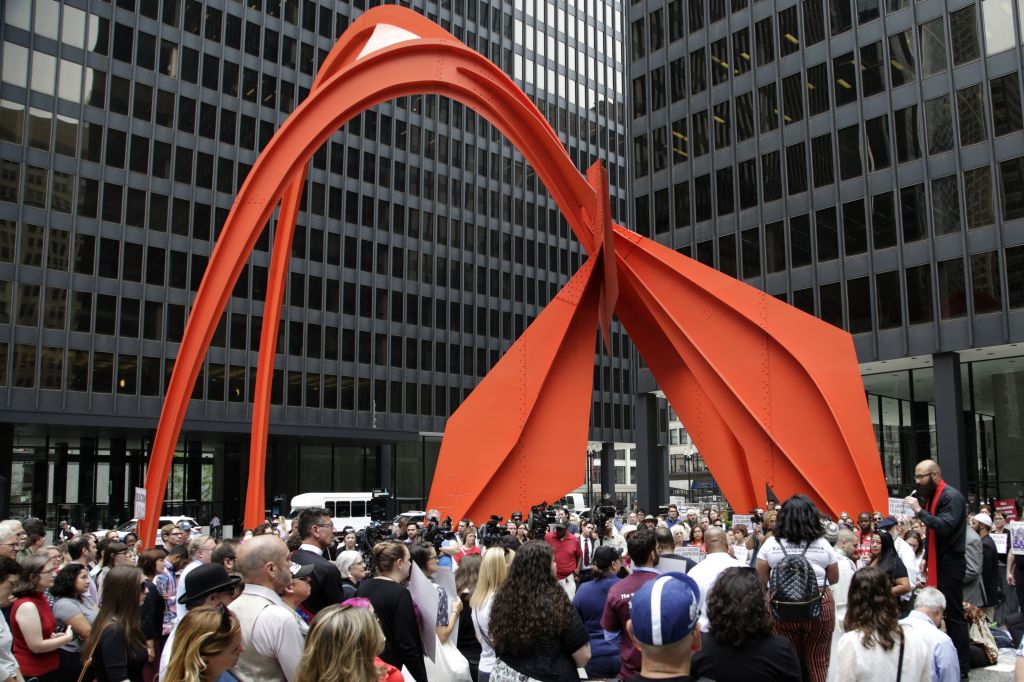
(449, 665)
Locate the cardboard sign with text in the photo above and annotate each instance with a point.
(1016, 531)
(1008, 507)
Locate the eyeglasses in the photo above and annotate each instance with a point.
(10, 544)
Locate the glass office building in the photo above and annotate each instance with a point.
(425, 245)
(861, 160)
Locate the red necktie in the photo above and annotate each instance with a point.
(586, 551)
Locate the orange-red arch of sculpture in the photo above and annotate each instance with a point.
(391, 52)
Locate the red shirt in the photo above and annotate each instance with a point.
(567, 553)
(34, 664)
(864, 546)
(616, 613)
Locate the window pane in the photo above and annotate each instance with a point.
(679, 141)
(997, 18)
(789, 32)
(888, 299)
(933, 48)
(945, 206)
(901, 59)
(744, 117)
(792, 99)
(796, 169)
(771, 176)
(986, 292)
(849, 153)
(1006, 115)
(978, 197)
(751, 253)
(845, 73)
(741, 58)
(821, 160)
(722, 129)
(963, 33)
(1015, 276)
(817, 89)
(826, 234)
(938, 124)
(840, 17)
(877, 132)
(858, 301)
(970, 109)
(908, 146)
(883, 220)
(768, 108)
(814, 22)
(952, 292)
(700, 140)
(800, 240)
(913, 213)
(1011, 188)
(775, 247)
(765, 42)
(855, 234)
(719, 62)
(919, 294)
(867, 10)
(872, 73)
(748, 181)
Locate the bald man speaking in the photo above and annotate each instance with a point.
(944, 512)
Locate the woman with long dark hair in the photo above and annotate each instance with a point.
(883, 555)
(33, 623)
(798, 531)
(875, 645)
(74, 612)
(151, 613)
(116, 648)
(114, 554)
(740, 645)
(465, 583)
(534, 628)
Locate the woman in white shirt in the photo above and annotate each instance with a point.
(493, 572)
(798, 530)
(875, 646)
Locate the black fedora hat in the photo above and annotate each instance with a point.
(207, 579)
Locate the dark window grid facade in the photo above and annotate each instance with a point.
(229, 369)
(874, 267)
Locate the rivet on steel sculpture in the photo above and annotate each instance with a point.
(771, 396)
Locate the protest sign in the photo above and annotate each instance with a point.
(1016, 531)
(898, 507)
(1001, 540)
(424, 594)
(1009, 509)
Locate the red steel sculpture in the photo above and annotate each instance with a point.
(771, 395)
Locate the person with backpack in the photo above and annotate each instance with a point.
(797, 564)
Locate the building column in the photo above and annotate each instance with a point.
(193, 492)
(60, 477)
(385, 455)
(6, 467)
(87, 482)
(608, 470)
(949, 420)
(118, 464)
(651, 457)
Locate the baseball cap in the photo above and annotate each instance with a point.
(300, 570)
(984, 519)
(604, 556)
(888, 522)
(665, 610)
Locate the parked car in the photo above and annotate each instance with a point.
(186, 523)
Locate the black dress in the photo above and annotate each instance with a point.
(114, 660)
(467, 643)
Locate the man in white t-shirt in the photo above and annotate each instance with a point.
(707, 571)
(846, 549)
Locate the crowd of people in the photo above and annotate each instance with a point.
(687, 595)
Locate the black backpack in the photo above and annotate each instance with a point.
(793, 588)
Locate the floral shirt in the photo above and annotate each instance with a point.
(167, 583)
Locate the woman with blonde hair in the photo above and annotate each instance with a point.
(342, 646)
(207, 642)
(493, 571)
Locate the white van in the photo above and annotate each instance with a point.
(347, 509)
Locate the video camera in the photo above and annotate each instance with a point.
(436, 533)
(541, 516)
(493, 531)
(602, 513)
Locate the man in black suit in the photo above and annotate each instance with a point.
(316, 529)
(943, 510)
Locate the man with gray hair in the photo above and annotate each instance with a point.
(929, 608)
(846, 550)
(9, 543)
(270, 633)
(200, 550)
(14, 527)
